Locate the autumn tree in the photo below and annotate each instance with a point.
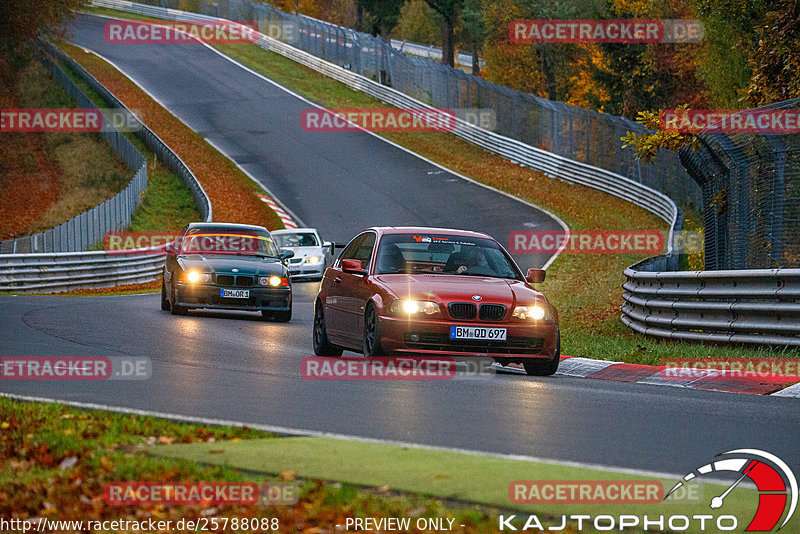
(473, 30)
(449, 11)
(23, 20)
(381, 16)
(775, 59)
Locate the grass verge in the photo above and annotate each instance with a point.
(47, 178)
(585, 288)
(55, 462)
(167, 204)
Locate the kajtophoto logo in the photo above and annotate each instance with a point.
(775, 499)
(776, 484)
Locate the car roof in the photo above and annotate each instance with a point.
(226, 225)
(426, 230)
(294, 230)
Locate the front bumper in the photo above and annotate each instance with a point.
(208, 296)
(432, 338)
(304, 270)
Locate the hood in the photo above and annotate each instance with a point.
(225, 264)
(445, 288)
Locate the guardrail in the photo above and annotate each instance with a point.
(430, 52)
(47, 273)
(550, 164)
(758, 306)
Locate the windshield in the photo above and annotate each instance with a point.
(443, 254)
(231, 243)
(298, 239)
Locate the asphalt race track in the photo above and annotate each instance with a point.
(235, 366)
(339, 183)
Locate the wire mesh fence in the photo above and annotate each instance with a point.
(751, 195)
(569, 131)
(87, 228)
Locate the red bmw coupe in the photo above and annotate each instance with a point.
(434, 292)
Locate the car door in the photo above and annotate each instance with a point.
(358, 290)
(336, 296)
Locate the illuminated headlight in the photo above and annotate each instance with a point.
(412, 307)
(273, 281)
(313, 260)
(537, 313)
(195, 277)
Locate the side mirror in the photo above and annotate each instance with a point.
(170, 248)
(536, 276)
(286, 254)
(329, 245)
(352, 266)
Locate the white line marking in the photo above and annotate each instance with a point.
(344, 437)
(409, 151)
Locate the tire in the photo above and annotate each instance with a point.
(164, 299)
(544, 367)
(372, 333)
(174, 308)
(322, 346)
(278, 317)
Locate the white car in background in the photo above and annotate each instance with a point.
(311, 254)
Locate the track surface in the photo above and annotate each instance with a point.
(340, 183)
(233, 366)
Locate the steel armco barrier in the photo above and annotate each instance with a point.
(759, 306)
(56, 270)
(47, 273)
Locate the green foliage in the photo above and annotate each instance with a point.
(776, 58)
(381, 16)
(646, 145)
(419, 23)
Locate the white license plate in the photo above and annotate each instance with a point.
(234, 293)
(478, 332)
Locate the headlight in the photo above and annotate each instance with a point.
(195, 277)
(273, 281)
(313, 260)
(537, 313)
(411, 307)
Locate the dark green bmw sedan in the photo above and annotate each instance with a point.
(227, 266)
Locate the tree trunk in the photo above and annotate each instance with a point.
(476, 64)
(448, 44)
(359, 17)
(386, 33)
